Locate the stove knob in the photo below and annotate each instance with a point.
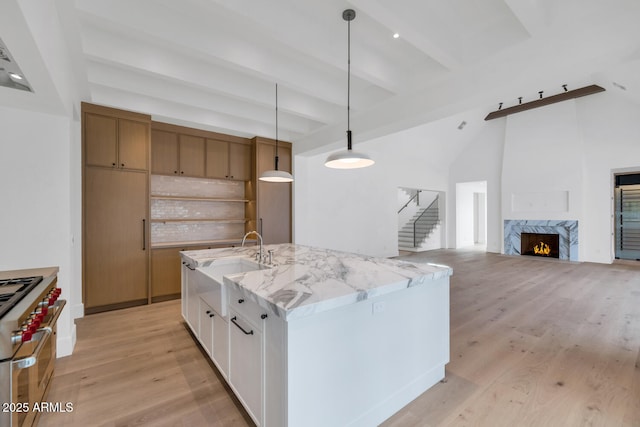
(33, 327)
(26, 336)
(44, 310)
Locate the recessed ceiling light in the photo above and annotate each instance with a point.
(15, 76)
(396, 35)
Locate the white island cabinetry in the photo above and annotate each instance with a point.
(328, 338)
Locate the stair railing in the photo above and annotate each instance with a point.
(415, 243)
(415, 196)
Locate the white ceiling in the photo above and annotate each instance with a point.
(213, 64)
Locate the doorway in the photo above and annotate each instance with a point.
(627, 216)
(471, 214)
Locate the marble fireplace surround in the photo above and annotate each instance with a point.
(566, 229)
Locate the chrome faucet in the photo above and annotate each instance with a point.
(259, 254)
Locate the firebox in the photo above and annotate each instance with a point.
(540, 244)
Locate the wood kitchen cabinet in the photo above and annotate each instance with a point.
(174, 153)
(273, 199)
(164, 152)
(115, 239)
(165, 271)
(165, 274)
(228, 160)
(178, 150)
(115, 208)
(191, 155)
(115, 139)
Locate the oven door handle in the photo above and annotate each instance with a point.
(59, 305)
(28, 361)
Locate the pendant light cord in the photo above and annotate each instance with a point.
(348, 84)
(276, 158)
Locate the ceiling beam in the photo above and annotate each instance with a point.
(576, 93)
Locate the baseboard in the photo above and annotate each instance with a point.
(77, 311)
(65, 345)
(400, 398)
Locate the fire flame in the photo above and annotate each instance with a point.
(542, 249)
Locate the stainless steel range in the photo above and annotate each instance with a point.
(29, 310)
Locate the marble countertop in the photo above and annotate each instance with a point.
(307, 280)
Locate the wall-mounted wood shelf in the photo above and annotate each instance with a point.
(565, 96)
(198, 199)
(191, 220)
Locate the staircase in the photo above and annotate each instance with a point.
(426, 220)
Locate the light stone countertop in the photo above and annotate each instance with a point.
(307, 280)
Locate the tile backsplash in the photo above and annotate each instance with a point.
(220, 215)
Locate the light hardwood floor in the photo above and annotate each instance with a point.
(534, 342)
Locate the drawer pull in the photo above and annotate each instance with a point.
(233, 319)
(240, 301)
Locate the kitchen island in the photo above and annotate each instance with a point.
(318, 337)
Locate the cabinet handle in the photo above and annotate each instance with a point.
(144, 235)
(189, 267)
(181, 172)
(263, 316)
(240, 301)
(121, 165)
(231, 176)
(176, 172)
(113, 164)
(233, 319)
(210, 313)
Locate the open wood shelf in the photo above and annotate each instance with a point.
(197, 199)
(213, 243)
(163, 220)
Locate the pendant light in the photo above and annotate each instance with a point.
(348, 159)
(276, 175)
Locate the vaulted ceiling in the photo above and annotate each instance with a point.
(213, 64)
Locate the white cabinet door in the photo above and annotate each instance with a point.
(207, 318)
(193, 301)
(220, 353)
(246, 364)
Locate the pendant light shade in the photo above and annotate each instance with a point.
(348, 159)
(276, 175)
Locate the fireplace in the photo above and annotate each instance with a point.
(540, 244)
(567, 230)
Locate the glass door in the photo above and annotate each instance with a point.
(627, 217)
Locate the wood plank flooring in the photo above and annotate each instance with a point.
(534, 342)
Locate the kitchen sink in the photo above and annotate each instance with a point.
(209, 279)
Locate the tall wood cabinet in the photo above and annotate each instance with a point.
(273, 199)
(151, 189)
(115, 208)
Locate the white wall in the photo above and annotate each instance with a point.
(481, 160)
(356, 210)
(581, 142)
(37, 222)
(610, 130)
(584, 140)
